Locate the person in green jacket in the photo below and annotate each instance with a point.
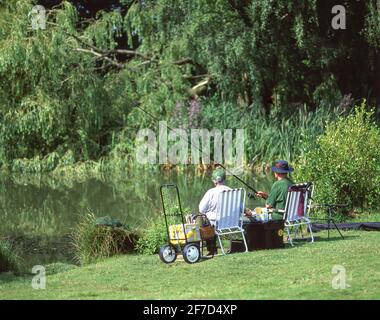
(276, 198)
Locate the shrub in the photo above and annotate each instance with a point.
(93, 241)
(9, 260)
(344, 164)
(154, 236)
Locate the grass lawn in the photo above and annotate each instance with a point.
(302, 272)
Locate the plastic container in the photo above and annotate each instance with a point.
(261, 214)
(177, 235)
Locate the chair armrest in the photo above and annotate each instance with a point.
(276, 210)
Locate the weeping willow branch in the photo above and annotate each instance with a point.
(130, 53)
(101, 56)
(199, 87)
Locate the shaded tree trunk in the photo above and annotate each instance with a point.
(268, 99)
(376, 84)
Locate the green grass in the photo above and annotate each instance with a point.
(365, 217)
(303, 272)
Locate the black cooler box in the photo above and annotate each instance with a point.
(261, 235)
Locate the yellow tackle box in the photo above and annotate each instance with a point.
(177, 235)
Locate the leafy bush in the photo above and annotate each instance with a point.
(344, 164)
(154, 236)
(93, 242)
(9, 260)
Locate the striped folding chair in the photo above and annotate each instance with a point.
(297, 210)
(229, 215)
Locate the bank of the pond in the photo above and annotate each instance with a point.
(117, 168)
(303, 272)
(42, 250)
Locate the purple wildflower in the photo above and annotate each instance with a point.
(194, 110)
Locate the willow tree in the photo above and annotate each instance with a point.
(53, 99)
(72, 91)
(265, 52)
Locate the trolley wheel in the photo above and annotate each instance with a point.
(168, 254)
(191, 253)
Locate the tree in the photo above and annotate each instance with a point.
(74, 90)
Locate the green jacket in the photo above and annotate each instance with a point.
(278, 193)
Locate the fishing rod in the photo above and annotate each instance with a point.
(218, 164)
(236, 177)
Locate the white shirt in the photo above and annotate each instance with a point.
(209, 202)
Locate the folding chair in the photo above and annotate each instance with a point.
(297, 210)
(229, 215)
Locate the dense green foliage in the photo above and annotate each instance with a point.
(344, 164)
(155, 233)
(153, 237)
(270, 137)
(72, 93)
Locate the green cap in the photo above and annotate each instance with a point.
(218, 175)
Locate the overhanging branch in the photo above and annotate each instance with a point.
(101, 56)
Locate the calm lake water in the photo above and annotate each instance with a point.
(38, 212)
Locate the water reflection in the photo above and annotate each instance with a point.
(49, 206)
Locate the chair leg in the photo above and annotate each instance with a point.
(245, 242)
(311, 232)
(221, 245)
(289, 237)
